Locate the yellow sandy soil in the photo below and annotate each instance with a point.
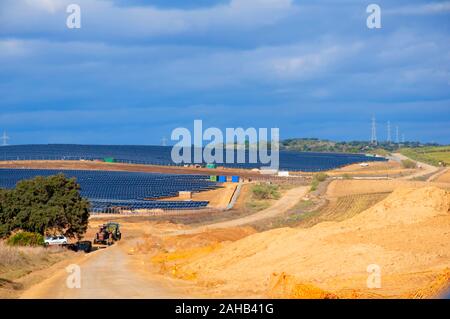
(407, 235)
(374, 169)
(340, 188)
(218, 198)
(444, 178)
(287, 201)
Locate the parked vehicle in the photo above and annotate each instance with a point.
(85, 246)
(55, 240)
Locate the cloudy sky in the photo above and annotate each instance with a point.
(138, 69)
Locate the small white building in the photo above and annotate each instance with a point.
(283, 174)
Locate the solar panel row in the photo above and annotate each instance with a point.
(128, 190)
(161, 155)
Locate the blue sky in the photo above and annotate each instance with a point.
(138, 69)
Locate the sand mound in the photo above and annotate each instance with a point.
(209, 237)
(405, 205)
(339, 188)
(407, 233)
(443, 178)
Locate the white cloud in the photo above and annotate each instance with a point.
(12, 48)
(50, 6)
(105, 18)
(423, 9)
(299, 65)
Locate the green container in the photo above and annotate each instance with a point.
(211, 165)
(213, 178)
(109, 160)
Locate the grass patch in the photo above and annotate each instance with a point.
(257, 205)
(429, 155)
(340, 209)
(17, 262)
(262, 196)
(409, 164)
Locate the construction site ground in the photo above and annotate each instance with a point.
(401, 226)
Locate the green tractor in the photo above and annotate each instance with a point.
(108, 234)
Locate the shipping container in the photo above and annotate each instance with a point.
(211, 165)
(109, 160)
(213, 178)
(235, 179)
(222, 179)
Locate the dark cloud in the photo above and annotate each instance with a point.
(311, 68)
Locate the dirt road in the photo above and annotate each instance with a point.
(113, 273)
(287, 201)
(440, 173)
(426, 168)
(108, 274)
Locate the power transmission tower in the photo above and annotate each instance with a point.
(373, 139)
(403, 138)
(389, 140)
(164, 141)
(397, 138)
(5, 139)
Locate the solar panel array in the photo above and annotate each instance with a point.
(161, 155)
(128, 190)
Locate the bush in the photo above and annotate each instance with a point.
(317, 179)
(265, 191)
(26, 239)
(321, 177)
(409, 164)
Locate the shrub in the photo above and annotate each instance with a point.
(321, 177)
(24, 238)
(317, 179)
(265, 191)
(409, 164)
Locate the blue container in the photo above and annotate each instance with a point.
(235, 179)
(222, 179)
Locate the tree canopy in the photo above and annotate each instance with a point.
(44, 205)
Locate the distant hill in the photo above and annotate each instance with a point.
(318, 145)
(437, 156)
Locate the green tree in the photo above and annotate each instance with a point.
(44, 204)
